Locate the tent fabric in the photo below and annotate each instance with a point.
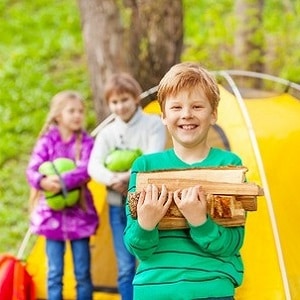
(269, 145)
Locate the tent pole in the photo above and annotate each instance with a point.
(262, 173)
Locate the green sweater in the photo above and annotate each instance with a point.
(194, 263)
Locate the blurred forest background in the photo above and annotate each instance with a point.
(42, 52)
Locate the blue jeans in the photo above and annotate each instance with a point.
(125, 261)
(81, 261)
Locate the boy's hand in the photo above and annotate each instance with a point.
(151, 207)
(192, 204)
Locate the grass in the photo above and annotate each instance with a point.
(41, 53)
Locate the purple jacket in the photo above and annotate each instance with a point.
(72, 222)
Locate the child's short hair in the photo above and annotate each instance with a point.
(187, 76)
(122, 83)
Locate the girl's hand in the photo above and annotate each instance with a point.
(51, 184)
(192, 204)
(151, 207)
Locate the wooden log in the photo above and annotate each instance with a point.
(220, 184)
(230, 174)
(249, 203)
(175, 220)
(220, 188)
(168, 223)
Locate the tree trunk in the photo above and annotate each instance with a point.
(143, 38)
(248, 49)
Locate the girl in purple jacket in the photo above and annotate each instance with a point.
(61, 138)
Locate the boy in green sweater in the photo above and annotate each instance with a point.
(203, 261)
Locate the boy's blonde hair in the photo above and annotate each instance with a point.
(57, 104)
(122, 83)
(188, 76)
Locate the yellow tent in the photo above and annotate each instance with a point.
(263, 127)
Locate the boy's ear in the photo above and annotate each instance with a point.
(214, 117)
(163, 119)
(138, 101)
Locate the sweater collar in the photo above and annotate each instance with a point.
(135, 118)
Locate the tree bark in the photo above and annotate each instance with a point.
(143, 38)
(249, 41)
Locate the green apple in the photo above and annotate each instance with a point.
(120, 160)
(62, 165)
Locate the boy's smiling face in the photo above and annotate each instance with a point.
(188, 116)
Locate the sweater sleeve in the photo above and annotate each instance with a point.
(96, 168)
(218, 240)
(139, 242)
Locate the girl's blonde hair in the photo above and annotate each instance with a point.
(188, 76)
(58, 102)
(122, 83)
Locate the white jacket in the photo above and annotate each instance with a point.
(143, 131)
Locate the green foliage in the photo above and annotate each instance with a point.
(13, 204)
(209, 33)
(210, 28)
(41, 53)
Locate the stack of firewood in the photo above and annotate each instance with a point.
(228, 195)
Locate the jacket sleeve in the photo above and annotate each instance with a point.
(38, 156)
(96, 168)
(75, 178)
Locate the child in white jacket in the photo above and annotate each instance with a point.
(132, 130)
